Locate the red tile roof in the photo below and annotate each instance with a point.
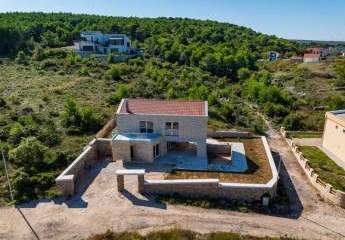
(163, 107)
(311, 55)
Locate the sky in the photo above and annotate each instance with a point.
(292, 19)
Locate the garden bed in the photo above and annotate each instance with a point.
(325, 167)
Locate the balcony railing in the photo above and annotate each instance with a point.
(171, 132)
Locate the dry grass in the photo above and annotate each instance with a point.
(259, 168)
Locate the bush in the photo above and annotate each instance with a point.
(122, 91)
(275, 110)
(77, 120)
(90, 121)
(84, 71)
(294, 122)
(113, 73)
(29, 155)
(38, 53)
(16, 133)
(49, 136)
(2, 102)
(21, 58)
(48, 63)
(243, 74)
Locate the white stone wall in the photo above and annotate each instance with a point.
(334, 138)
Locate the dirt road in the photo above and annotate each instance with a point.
(100, 207)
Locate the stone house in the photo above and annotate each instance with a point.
(333, 138)
(147, 129)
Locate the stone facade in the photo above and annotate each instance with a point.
(190, 129)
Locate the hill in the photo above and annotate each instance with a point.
(52, 101)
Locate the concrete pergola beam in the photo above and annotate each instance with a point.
(137, 172)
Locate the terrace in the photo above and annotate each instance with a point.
(183, 164)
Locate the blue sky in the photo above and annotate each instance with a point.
(297, 19)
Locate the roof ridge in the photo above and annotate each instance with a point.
(167, 100)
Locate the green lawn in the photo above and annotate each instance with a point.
(325, 167)
(302, 134)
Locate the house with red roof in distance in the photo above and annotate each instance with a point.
(149, 128)
(311, 58)
(324, 52)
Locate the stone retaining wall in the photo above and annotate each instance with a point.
(326, 190)
(107, 128)
(210, 188)
(96, 150)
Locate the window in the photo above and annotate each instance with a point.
(171, 128)
(146, 127)
(117, 41)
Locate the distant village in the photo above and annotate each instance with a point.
(311, 55)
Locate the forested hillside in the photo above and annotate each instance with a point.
(52, 101)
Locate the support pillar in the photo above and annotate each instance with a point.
(120, 183)
(141, 183)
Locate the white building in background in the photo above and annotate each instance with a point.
(273, 56)
(99, 43)
(333, 138)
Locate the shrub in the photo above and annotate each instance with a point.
(2, 102)
(84, 71)
(16, 133)
(38, 53)
(90, 121)
(243, 74)
(49, 136)
(48, 63)
(113, 73)
(122, 91)
(294, 122)
(76, 120)
(21, 58)
(275, 110)
(29, 154)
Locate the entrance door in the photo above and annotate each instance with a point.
(156, 151)
(132, 153)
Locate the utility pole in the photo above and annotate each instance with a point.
(8, 179)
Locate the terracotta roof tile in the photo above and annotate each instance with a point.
(163, 107)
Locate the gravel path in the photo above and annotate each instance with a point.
(100, 208)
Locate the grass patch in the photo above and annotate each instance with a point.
(259, 168)
(178, 234)
(325, 167)
(302, 134)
